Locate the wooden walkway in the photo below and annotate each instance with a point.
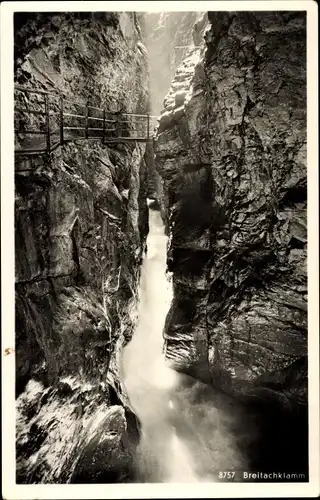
(44, 121)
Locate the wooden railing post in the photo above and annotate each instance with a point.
(46, 109)
(61, 121)
(117, 125)
(104, 127)
(86, 122)
(148, 126)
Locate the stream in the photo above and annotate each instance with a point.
(188, 432)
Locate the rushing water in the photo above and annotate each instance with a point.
(185, 437)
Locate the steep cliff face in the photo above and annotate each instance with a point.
(231, 149)
(169, 37)
(81, 223)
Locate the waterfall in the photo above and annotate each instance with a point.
(149, 380)
(185, 429)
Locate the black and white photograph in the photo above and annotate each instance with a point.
(163, 298)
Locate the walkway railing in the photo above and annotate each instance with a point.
(45, 120)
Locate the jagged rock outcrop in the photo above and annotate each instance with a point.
(81, 223)
(231, 149)
(168, 36)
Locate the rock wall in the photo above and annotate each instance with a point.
(168, 38)
(231, 150)
(81, 224)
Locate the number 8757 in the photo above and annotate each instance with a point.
(226, 474)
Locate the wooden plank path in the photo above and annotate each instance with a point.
(60, 121)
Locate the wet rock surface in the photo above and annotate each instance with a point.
(169, 37)
(231, 150)
(81, 223)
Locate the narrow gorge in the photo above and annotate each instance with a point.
(161, 278)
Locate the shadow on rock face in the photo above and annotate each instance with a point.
(281, 444)
(154, 204)
(253, 436)
(108, 457)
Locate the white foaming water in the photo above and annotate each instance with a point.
(181, 463)
(148, 378)
(183, 437)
